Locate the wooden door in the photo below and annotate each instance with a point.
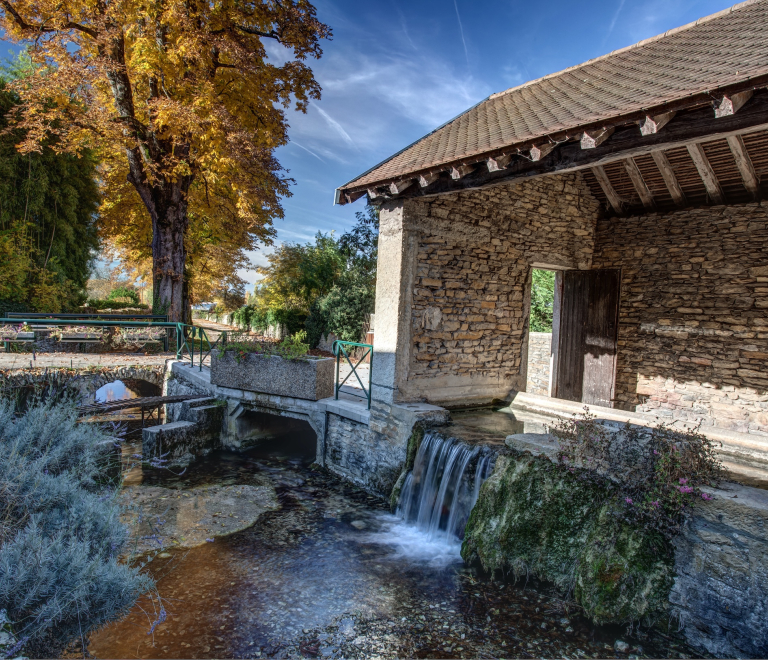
(586, 351)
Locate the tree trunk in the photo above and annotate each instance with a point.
(169, 227)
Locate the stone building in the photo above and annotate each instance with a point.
(639, 178)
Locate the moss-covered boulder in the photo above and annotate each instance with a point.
(535, 517)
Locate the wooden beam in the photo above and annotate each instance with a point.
(498, 163)
(608, 189)
(730, 105)
(668, 174)
(396, 187)
(693, 126)
(373, 193)
(639, 183)
(428, 179)
(593, 139)
(460, 171)
(540, 151)
(744, 163)
(653, 125)
(354, 196)
(706, 173)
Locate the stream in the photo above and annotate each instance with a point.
(331, 573)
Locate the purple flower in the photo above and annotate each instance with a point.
(686, 489)
(706, 496)
(655, 453)
(160, 619)
(683, 480)
(655, 504)
(628, 500)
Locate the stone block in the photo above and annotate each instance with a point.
(302, 378)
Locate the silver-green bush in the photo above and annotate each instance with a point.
(60, 533)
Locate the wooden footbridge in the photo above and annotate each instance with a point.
(150, 406)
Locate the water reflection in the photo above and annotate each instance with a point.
(116, 391)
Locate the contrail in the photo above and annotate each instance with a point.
(613, 22)
(337, 126)
(461, 30)
(307, 150)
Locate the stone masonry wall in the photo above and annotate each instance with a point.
(472, 281)
(693, 333)
(539, 351)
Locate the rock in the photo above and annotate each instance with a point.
(621, 647)
(358, 524)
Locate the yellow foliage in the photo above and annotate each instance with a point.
(184, 109)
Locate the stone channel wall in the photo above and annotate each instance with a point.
(693, 333)
(472, 279)
(539, 352)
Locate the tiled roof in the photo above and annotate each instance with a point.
(716, 51)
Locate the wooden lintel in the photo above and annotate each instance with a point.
(744, 163)
(654, 124)
(706, 173)
(593, 139)
(639, 183)
(539, 151)
(605, 183)
(460, 171)
(396, 187)
(668, 174)
(730, 105)
(428, 179)
(498, 163)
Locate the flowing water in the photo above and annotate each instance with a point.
(331, 573)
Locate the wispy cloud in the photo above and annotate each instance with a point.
(461, 30)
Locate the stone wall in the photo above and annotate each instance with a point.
(539, 368)
(471, 284)
(693, 333)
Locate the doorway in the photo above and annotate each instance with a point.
(585, 334)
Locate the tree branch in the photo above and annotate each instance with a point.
(69, 25)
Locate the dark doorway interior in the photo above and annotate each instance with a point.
(588, 321)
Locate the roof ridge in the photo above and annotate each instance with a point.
(682, 28)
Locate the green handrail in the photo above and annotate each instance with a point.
(340, 347)
(183, 331)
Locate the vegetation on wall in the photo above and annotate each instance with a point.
(598, 522)
(48, 205)
(542, 299)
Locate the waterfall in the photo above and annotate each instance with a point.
(440, 491)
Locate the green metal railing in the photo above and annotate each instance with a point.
(339, 349)
(184, 333)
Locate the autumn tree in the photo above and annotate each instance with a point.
(178, 96)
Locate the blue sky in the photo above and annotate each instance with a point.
(396, 70)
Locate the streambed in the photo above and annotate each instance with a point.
(330, 573)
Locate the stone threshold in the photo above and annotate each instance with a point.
(743, 454)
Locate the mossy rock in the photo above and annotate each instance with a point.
(414, 441)
(534, 517)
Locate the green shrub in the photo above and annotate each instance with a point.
(60, 533)
(124, 292)
(542, 300)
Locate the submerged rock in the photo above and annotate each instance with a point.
(534, 517)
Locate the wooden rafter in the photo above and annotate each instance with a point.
(593, 139)
(668, 174)
(653, 125)
(730, 105)
(498, 163)
(744, 164)
(460, 171)
(707, 174)
(639, 183)
(608, 189)
(428, 179)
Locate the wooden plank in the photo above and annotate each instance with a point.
(668, 174)
(706, 173)
(637, 181)
(600, 337)
(744, 163)
(602, 178)
(557, 306)
(570, 356)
